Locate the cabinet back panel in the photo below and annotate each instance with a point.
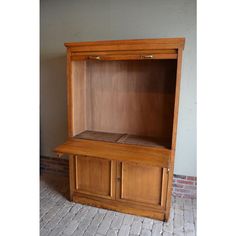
(135, 97)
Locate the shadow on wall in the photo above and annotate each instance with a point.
(53, 107)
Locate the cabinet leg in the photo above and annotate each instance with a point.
(71, 176)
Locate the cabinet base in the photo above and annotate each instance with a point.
(119, 206)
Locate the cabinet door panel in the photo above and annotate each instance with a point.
(142, 184)
(94, 176)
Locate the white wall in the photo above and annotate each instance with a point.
(88, 20)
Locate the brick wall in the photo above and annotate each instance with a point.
(183, 186)
(56, 166)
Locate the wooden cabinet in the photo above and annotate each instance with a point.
(122, 123)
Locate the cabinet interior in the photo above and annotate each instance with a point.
(129, 101)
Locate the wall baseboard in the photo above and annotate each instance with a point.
(183, 186)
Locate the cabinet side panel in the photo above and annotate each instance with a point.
(78, 97)
(175, 123)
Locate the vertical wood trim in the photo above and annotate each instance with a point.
(69, 94)
(85, 95)
(164, 186)
(174, 133)
(113, 179)
(118, 183)
(71, 176)
(177, 92)
(76, 173)
(121, 179)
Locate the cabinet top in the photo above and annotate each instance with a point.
(165, 43)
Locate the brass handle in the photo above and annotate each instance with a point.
(147, 56)
(95, 57)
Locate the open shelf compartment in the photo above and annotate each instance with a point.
(129, 101)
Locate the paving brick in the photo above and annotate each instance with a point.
(85, 221)
(188, 216)
(178, 234)
(189, 228)
(145, 232)
(140, 219)
(178, 223)
(102, 211)
(147, 223)
(104, 226)
(124, 230)
(82, 226)
(189, 234)
(136, 227)
(128, 220)
(74, 210)
(179, 202)
(112, 232)
(117, 221)
(168, 227)
(188, 204)
(157, 228)
(179, 211)
(167, 234)
(59, 216)
(92, 228)
(50, 214)
(71, 227)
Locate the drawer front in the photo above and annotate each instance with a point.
(141, 184)
(94, 176)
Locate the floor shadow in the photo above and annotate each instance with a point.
(57, 183)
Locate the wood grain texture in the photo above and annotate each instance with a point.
(71, 175)
(140, 154)
(121, 57)
(134, 97)
(126, 94)
(78, 96)
(174, 134)
(94, 176)
(136, 44)
(140, 183)
(70, 118)
(119, 206)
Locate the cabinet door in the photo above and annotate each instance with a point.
(94, 176)
(141, 184)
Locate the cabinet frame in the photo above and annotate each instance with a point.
(119, 50)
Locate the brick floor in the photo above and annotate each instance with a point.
(58, 216)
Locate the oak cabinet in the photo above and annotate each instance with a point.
(123, 100)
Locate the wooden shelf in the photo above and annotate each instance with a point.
(122, 138)
(116, 151)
